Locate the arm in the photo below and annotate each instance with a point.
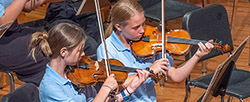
(180, 73)
(109, 85)
(32, 4)
(138, 79)
(12, 11)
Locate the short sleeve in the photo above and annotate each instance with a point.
(52, 93)
(99, 53)
(1, 10)
(170, 58)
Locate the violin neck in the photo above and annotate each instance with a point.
(184, 41)
(122, 68)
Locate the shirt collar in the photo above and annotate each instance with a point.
(117, 43)
(55, 76)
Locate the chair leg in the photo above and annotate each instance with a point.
(235, 4)
(187, 89)
(222, 98)
(249, 53)
(204, 67)
(230, 98)
(203, 3)
(12, 85)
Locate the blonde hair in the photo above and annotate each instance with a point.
(61, 35)
(122, 11)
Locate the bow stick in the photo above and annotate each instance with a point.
(97, 6)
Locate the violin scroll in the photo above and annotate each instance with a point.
(222, 48)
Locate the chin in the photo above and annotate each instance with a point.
(72, 64)
(135, 39)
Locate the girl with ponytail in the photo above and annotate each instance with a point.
(63, 44)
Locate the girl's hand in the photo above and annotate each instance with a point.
(111, 82)
(204, 49)
(32, 5)
(160, 65)
(141, 76)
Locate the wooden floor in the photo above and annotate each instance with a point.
(175, 92)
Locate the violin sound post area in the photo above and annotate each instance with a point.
(238, 13)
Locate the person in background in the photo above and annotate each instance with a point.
(127, 25)
(14, 43)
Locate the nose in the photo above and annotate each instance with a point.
(141, 31)
(83, 53)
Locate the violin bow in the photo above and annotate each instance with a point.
(163, 37)
(97, 6)
(163, 28)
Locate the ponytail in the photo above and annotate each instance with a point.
(38, 41)
(109, 30)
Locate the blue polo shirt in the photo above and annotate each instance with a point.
(116, 50)
(54, 88)
(3, 5)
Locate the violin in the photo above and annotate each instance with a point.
(178, 42)
(88, 72)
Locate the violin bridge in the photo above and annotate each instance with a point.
(97, 65)
(156, 45)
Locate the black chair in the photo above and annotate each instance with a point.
(173, 8)
(25, 93)
(207, 23)
(238, 85)
(12, 85)
(3, 29)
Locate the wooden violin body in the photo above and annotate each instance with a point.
(178, 42)
(151, 43)
(88, 72)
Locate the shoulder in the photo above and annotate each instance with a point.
(110, 49)
(50, 89)
(48, 86)
(53, 92)
(170, 58)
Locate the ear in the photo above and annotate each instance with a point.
(63, 52)
(118, 27)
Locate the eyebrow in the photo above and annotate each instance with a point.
(81, 47)
(139, 24)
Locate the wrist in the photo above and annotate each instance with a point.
(107, 87)
(150, 70)
(197, 55)
(129, 90)
(124, 95)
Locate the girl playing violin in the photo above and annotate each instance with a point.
(63, 44)
(127, 24)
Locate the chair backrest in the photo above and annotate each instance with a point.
(25, 93)
(207, 23)
(173, 9)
